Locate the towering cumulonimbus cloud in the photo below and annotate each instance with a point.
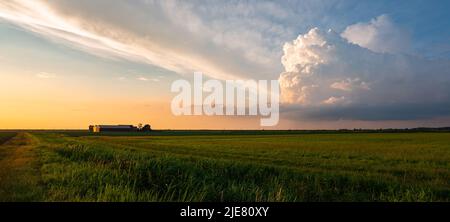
(328, 76)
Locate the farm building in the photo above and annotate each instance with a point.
(112, 128)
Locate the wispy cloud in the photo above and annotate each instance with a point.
(141, 78)
(45, 75)
(38, 17)
(188, 46)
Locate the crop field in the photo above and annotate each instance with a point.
(283, 166)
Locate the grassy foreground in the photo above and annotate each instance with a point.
(312, 167)
(6, 136)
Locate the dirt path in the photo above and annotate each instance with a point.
(19, 169)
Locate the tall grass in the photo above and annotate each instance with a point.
(5, 136)
(326, 167)
(246, 169)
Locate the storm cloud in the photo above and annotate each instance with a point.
(330, 77)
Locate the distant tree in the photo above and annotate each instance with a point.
(147, 128)
(140, 126)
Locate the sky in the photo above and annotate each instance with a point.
(340, 63)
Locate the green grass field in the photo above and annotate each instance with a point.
(64, 166)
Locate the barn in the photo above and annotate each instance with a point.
(112, 128)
